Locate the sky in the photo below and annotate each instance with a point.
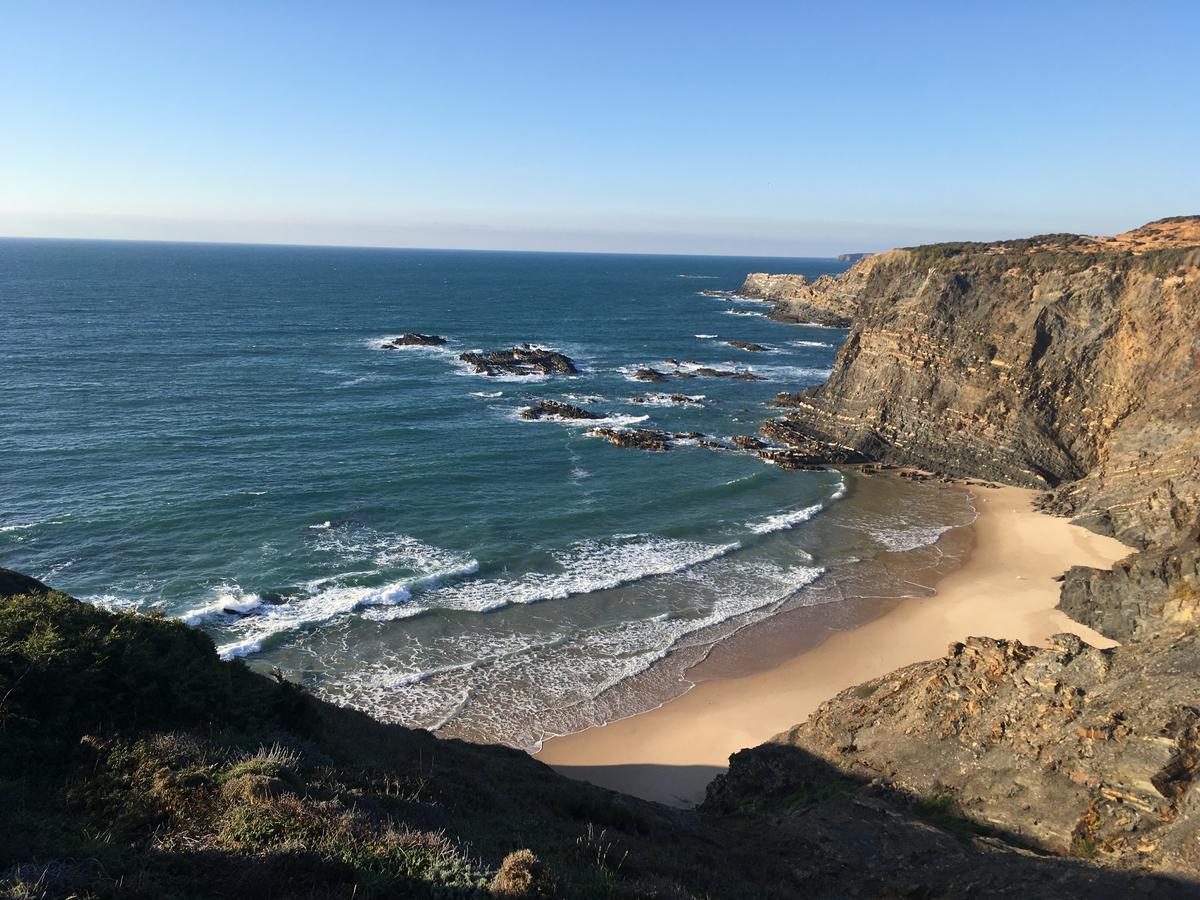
(793, 129)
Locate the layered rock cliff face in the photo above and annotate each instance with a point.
(1063, 362)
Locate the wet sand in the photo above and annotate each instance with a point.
(1004, 588)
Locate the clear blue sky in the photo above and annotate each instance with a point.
(748, 127)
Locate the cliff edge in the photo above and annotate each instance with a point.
(1063, 362)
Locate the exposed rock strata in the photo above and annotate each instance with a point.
(827, 301)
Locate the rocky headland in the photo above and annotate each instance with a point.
(1062, 362)
(825, 301)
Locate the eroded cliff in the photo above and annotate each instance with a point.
(1062, 362)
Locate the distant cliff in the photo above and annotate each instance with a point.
(853, 257)
(826, 301)
(1063, 362)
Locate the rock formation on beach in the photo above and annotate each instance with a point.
(1063, 362)
(523, 360)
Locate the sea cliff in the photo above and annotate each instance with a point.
(1067, 363)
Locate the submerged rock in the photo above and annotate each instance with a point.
(645, 373)
(635, 438)
(748, 346)
(557, 410)
(415, 339)
(747, 442)
(523, 360)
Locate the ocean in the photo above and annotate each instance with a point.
(217, 432)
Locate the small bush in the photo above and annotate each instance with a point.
(522, 874)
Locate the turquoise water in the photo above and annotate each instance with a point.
(216, 432)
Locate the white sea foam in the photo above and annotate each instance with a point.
(658, 399)
(791, 373)
(698, 276)
(905, 537)
(706, 337)
(490, 395)
(612, 421)
(21, 527)
(743, 312)
(784, 520)
(519, 688)
(230, 600)
(321, 526)
(247, 622)
(584, 567)
(810, 344)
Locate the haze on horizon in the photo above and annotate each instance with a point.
(761, 128)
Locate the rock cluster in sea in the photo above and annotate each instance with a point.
(415, 339)
(525, 359)
(558, 410)
(635, 438)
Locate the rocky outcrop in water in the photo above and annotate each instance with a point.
(523, 360)
(748, 346)
(415, 339)
(635, 438)
(557, 410)
(646, 373)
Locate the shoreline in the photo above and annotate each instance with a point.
(1004, 588)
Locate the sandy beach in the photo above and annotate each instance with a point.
(1005, 588)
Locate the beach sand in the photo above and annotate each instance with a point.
(1005, 588)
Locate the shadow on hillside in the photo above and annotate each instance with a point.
(680, 786)
(885, 841)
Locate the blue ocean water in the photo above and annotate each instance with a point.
(217, 432)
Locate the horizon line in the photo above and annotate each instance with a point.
(283, 244)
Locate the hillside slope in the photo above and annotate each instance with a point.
(135, 763)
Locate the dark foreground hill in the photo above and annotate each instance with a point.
(135, 763)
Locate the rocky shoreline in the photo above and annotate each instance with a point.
(1062, 362)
